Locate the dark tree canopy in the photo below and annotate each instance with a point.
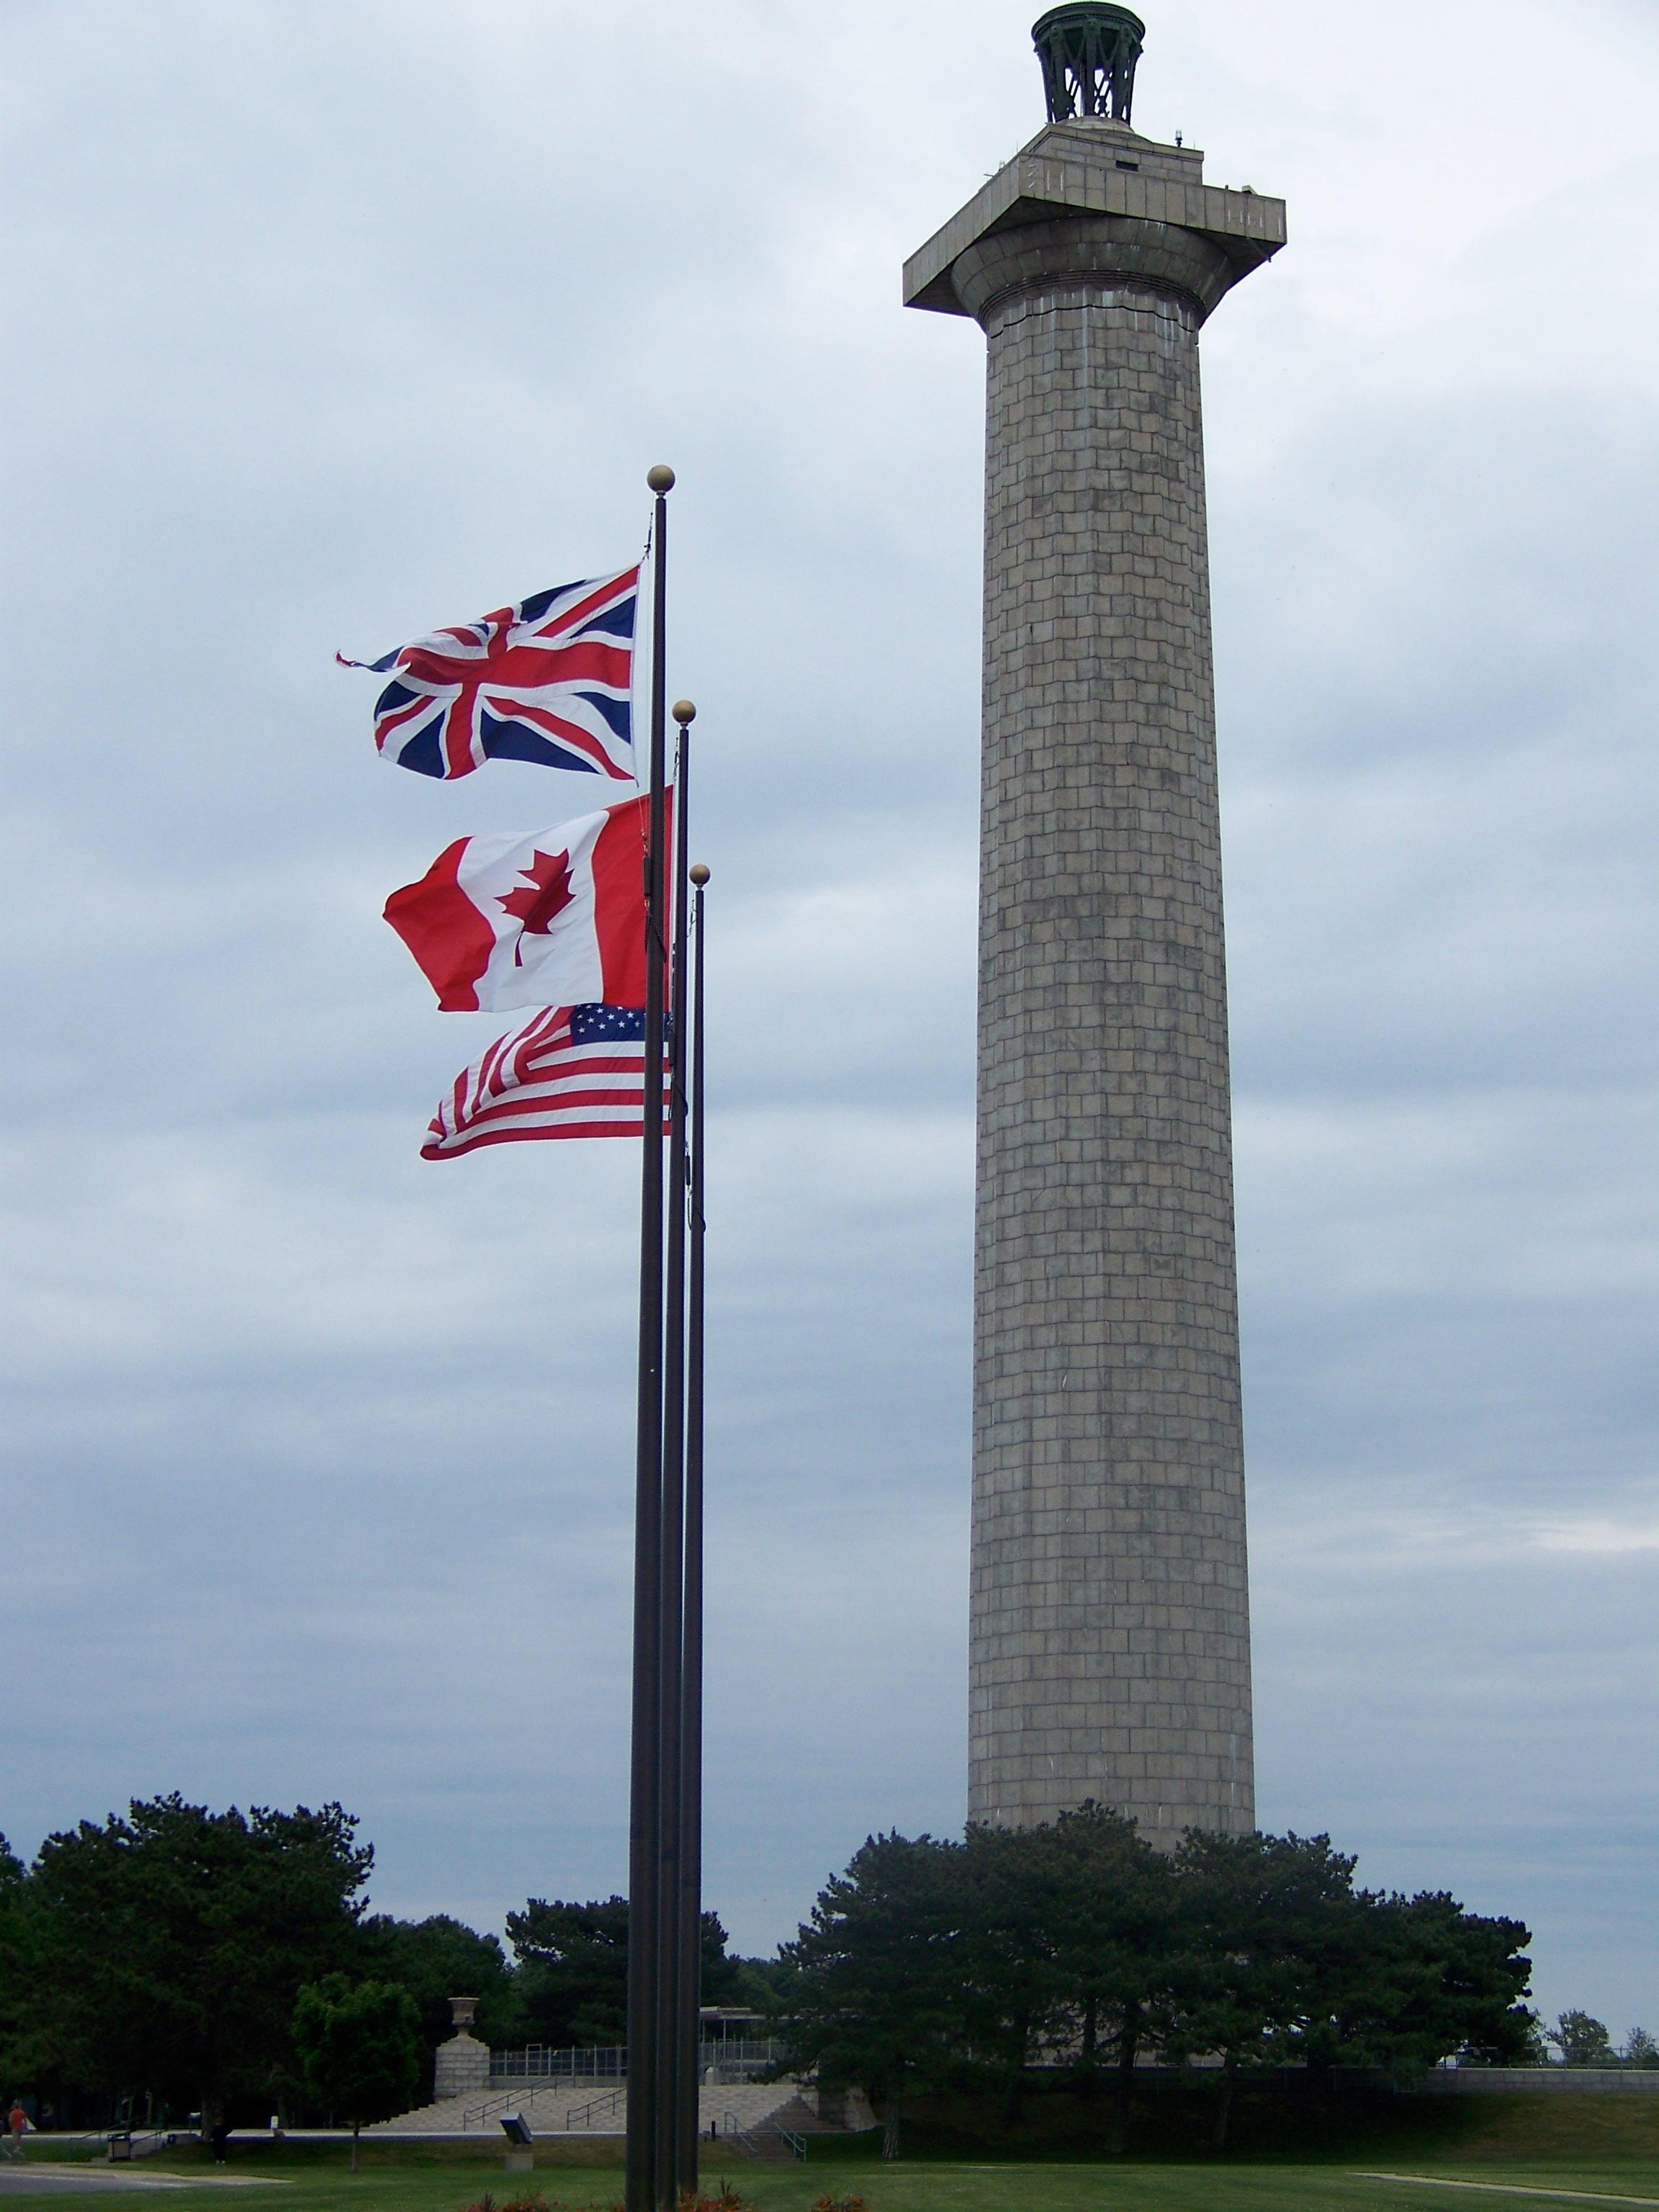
(573, 1969)
(358, 2046)
(877, 1990)
(927, 1963)
(166, 1949)
(1582, 2040)
(17, 2055)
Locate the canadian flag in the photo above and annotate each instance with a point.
(553, 920)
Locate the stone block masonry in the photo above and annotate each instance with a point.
(1109, 1628)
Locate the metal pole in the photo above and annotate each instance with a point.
(670, 2056)
(691, 1664)
(645, 1779)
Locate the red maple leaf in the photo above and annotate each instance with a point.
(548, 892)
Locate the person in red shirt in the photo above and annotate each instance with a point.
(17, 2120)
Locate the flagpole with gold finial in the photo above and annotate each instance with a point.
(643, 2186)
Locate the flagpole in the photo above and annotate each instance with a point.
(645, 1777)
(670, 2054)
(690, 1929)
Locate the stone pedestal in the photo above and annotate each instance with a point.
(1109, 1637)
(461, 2066)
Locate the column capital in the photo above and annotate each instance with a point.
(1143, 206)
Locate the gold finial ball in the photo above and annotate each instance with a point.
(661, 478)
(698, 874)
(683, 712)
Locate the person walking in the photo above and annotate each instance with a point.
(17, 2120)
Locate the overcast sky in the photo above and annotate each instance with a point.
(330, 323)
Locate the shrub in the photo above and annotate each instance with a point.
(533, 2201)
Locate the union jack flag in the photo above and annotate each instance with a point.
(546, 680)
(571, 1072)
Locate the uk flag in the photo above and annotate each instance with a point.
(547, 680)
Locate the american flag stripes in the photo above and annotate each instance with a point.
(548, 680)
(571, 1072)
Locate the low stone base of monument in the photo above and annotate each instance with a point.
(461, 2066)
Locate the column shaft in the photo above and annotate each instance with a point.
(1109, 1637)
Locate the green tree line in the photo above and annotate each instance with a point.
(174, 1959)
(155, 1963)
(931, 1965)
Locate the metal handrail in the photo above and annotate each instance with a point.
(750, 2138)
(583, 2116)
(141, 2142)
(493, 2107)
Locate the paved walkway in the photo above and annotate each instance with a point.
(63, 2179)
(1505, 2188)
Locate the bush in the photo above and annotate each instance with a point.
(533, 2201)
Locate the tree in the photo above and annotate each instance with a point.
(1582, 2040)
(15, 2052)
(167, 1948)
(435, 1960)
(1009, 1909)
(1640, 2049)
(1408, 1981)
(1262, 1924)
(1114, 1940)
(876, 1988)
(359, 2049)
(1431, 1981)
(573, 1969)
(760, 1986)
(929, 1962)
(1284, 1960)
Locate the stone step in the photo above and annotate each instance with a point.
(566, 2107)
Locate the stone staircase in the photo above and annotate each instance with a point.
(564, 2106)
(774, 2136)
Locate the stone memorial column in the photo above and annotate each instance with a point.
(1110, 1629)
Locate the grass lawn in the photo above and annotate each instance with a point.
(321, 2183)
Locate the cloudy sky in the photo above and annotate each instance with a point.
(331, 322)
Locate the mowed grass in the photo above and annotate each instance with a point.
(323, 2185)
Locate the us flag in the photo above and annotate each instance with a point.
(547, 680)
(570, 1071)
